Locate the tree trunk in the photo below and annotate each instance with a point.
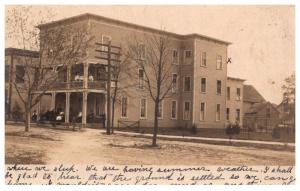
(155, 128)
(27, 119)
(113, 115)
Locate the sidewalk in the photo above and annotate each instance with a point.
(210, 140)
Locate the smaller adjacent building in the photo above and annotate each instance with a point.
(259, 114)
(15, 74)
(286, 114)
(234, 100)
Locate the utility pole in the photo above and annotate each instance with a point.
(108, 105)
(109, 59)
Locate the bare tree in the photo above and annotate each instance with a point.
(57, 46)
(153, 55)
(289, 88)
(119, 73)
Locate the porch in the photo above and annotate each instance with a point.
(73, 107)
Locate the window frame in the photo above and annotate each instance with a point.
(221, 62)
(162, 110)
(228, 94)
(141, 82)
(124, 117)
(145, 117)
(219, 93)
(238, 97)
(202, 59)
(176, 108)
(202, 84)
(190, 77)
(204, 111)
(189, 116)
(177, 60)
(218, 113)
(174, 89)
(105, 48)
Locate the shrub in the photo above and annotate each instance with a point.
(232, 129)
(194, 129)
(276, 133)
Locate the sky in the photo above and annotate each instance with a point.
(263, 37)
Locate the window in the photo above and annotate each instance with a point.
(227, 113)
(141, 78)
(203, 59)
(238, 113)
(7, 72)
(228, 93)
(142, 51)
(187, 54)
(219, 62)
(124, 106)
(174, 110)
(186, 110)
(105, 41)
(20, 74)
(218, 112)
(174, 83)
(175, 57)
(203, 85)
(268, 112)
(187, 84)
(143, 109)
(202, 111)
(238, 94)
(160, 110)
(219, 85)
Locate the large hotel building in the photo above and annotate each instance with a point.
(199, 74)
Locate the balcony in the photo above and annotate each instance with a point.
(77, 85)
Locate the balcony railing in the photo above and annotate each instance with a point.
(98, 85)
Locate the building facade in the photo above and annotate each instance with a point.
(199, 71)
(15, 74)
(234, 101)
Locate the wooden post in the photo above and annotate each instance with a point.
(108, 114)
(53, 95)
(84, 108)
(67, 110)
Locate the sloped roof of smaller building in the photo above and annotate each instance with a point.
(255, 108)
(250, 94)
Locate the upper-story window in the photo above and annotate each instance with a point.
(141, 78)
(105, 41)
(238, 94)
(20, 74)
(203, 85)
(7, 73)
(203, 59)
(219, 62)
(175, 57)
(238, 115)
(174, 82)
(142, 51)
(187, 84)
(160, 110)
(187, 54)
(228, 93)
(219, 87)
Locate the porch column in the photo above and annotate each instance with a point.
(67, 112)
(68, 76)
(39, 109)
(85, 75)
(84, 108)
(105, 98)
(53, 95)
